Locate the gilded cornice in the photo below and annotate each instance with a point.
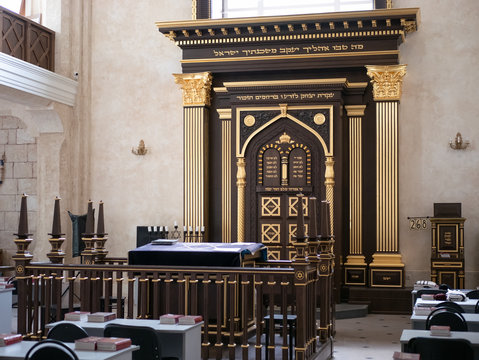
(196, 88)
(271, 28)
(387, 81)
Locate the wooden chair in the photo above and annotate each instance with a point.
(50, 349)
(447, 317)
(451, 305)
(474, 294)
(441, 349)
(145, 337)
(278, 320)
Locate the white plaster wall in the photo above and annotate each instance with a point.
(439, 99)
(133, 97)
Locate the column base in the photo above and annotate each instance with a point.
(386, 270)
(355, 270)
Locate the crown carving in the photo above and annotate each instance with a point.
(285, 139)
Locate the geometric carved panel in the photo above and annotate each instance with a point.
(271, 206)
(270, 233)
(293, 201)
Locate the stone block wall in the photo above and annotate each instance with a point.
(20, 176)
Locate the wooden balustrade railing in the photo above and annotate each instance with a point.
(232, 301)
(27, 40)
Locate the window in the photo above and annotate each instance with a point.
(13, 5)
(249, 8)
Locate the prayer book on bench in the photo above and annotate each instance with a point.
(9, 339)
(190, 319)
(101, 316)
(77, 316)
(113, 343)
(170, 318)
(88, 343)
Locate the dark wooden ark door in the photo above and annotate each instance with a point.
(282, 160)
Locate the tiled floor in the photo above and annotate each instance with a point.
(371, 337)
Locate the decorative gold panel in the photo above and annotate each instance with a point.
(292, 231)
(270, 233)
(271, 206)
(292, 202)
(274, 254)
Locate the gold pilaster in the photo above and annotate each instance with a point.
(329, 183)
(196, 99)
(226, 166)
(355, 257)
(241, 184)
(387, 88)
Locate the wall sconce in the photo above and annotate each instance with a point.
(2, 168)
(140, 149)
(459, 143)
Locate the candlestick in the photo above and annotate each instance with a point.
(313, 231)
(325, 231)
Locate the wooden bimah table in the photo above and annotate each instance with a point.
(198, 254)
(210, 255)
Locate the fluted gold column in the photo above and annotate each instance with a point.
(387, 85)
(225, 117)
(196, 100)
(355, 266)
(241, 184)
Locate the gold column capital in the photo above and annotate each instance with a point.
(387, 81)
(355, 110)
(196, 88)
(225, 114)
(241, 173)
(329, 173)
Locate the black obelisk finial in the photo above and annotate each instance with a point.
(57, 225)
(325, 219)
(23, 222)
(101, 237)
(90, 221)
(100, 229)
(89, 253)
(56, 255)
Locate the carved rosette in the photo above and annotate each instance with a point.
(196, 88)
(387, 81)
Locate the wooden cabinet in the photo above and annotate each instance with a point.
(447, 251)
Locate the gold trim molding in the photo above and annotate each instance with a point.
(224, 114)
(387, 260)
(196, 88)
(387, 81)
(355, 110)
(263, 20)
